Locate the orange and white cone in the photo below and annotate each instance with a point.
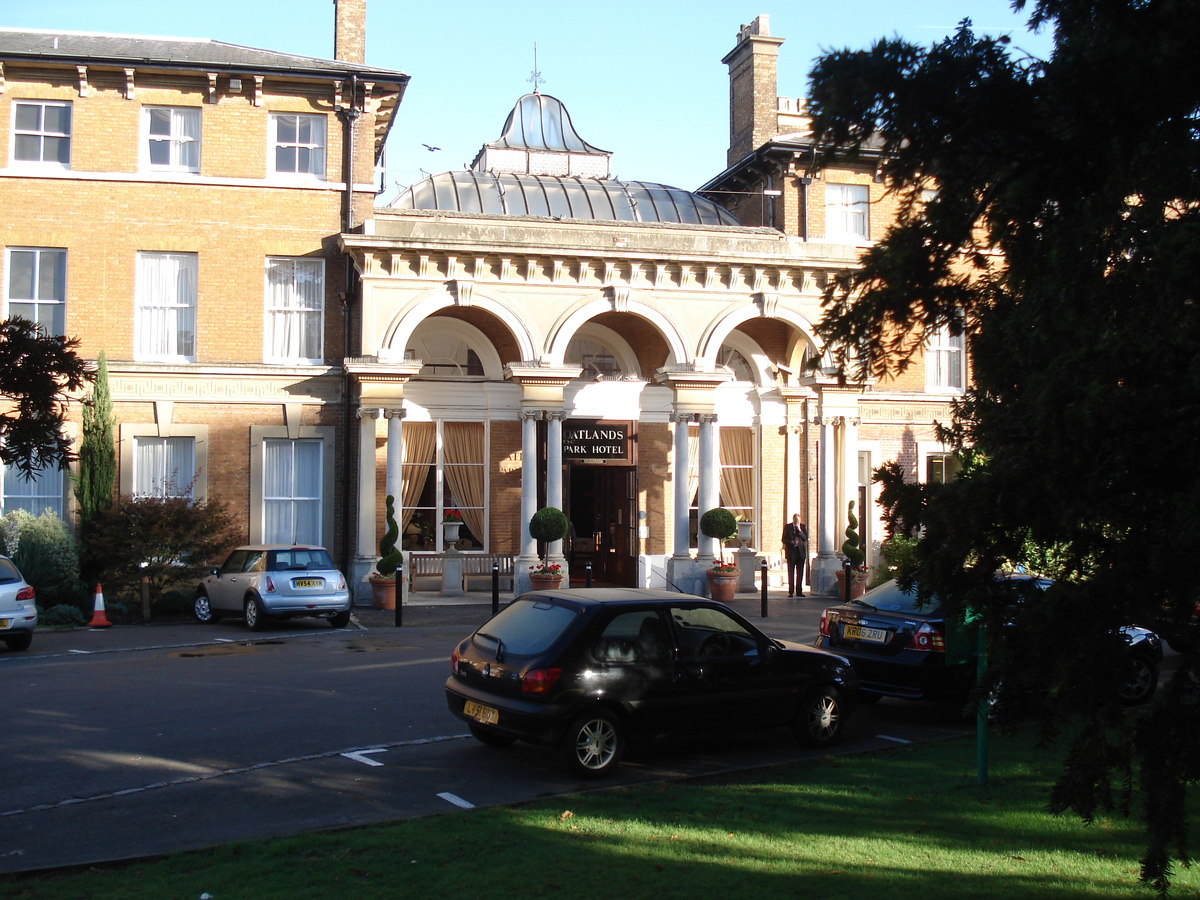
(99, 619)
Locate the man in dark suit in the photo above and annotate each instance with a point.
(795, 549)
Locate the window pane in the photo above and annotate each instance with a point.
(34, 495)
(57, 119)
(20, 274)
(164, 467)
(292, 479)
(29, 117)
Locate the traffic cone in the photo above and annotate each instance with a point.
(99, 619)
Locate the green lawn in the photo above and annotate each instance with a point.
(904, 823)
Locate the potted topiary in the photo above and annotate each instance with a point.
(548, 524)
(721, 524)
(852, 550)
(383, 581)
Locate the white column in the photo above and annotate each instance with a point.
(827, 562)
(529, 469)
(395, 455)
(554, 480)
(366, 482)
(682, 548)
(709, 493)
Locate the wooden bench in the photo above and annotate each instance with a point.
(476, 567)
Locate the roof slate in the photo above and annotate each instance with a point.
(128, 49)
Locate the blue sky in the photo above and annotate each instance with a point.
(641, 79)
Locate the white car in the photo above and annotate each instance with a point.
(265, 581)
(18, 611)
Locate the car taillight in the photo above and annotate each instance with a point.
(26, 593)
(269, 584)
(454, 657)
(341, 582)
(539, 681)
(927, 638)
(823, 628)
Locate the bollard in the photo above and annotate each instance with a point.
(847, 580)
(495, 588)
(400, 595)
(587, 574)
(762, 569)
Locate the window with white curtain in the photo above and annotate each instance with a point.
(34, 495)
(292, 479)
(165, 322)
(37, 286)
(295, 308)
(164, 467)
(945, 366)
(171, 138)
(298, 145)
(42, 133)
(846, 212)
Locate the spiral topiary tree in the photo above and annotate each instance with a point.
(389, 556)
(852, 546)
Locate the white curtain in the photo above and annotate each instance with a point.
(164, 467)
(463, 443)
(34, 495)
(295, 306)
(292, 479)
(166, 306)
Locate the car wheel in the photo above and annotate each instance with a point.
(203, 611)
(490, 738)
(19, 642)
(340, 620)
(256, 619)
(819, 719)
(1142, 680)
(594, 743)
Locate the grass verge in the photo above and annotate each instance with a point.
(904, 823)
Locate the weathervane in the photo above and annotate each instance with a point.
(535, 77)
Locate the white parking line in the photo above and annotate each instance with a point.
(888, 737)
(361, 756)
(81, 652)
(456, 800)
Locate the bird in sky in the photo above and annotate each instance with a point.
(429, 148)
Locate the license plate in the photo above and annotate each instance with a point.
(861, 633)
(308, 582)
(485, 715)
(5, 623)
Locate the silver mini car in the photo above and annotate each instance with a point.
(18, 611)
(266, 581)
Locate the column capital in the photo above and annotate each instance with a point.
(370, 412)
(527, 414)
(683, 417)
(554, 414)
(395, 413)
(707, 418)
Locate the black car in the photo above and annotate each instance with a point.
(903, 648)
(588, 670)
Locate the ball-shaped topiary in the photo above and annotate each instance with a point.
(718, 523)
(548, 524)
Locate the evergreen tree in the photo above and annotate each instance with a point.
(1051, 212)
(97, 477)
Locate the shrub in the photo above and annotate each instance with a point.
(389, 556)
(176, 538)
(45, 552)
(61, 616)
(549, 524)
(851, 547)
(718, 523)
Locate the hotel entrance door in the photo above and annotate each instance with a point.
(602, 509)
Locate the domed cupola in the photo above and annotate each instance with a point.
(539, 139)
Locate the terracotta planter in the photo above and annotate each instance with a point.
(722, 587)
(383, 592)
(544, 582)
(858, 583)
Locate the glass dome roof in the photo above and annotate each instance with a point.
(561, 197)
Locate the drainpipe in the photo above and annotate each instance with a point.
(348, 115)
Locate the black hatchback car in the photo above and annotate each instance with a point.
(903, 648)
(588, 670)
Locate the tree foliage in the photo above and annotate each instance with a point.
(177, 540)
(36, 372)
(97, 457)
(1064, 240)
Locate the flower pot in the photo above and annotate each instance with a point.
(450, 533)
(722, 586)
(544, 582)
(383, 592)
(858, 583)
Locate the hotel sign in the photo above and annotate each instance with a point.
(598, 442)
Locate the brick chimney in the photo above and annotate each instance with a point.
(753, 101)
(350, 31)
